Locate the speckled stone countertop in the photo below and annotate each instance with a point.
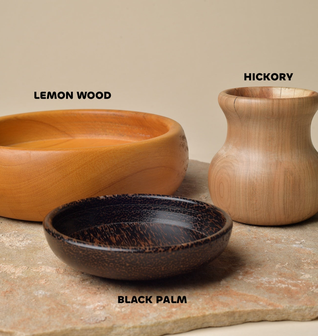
(266, 273)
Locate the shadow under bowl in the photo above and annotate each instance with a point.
(137, 237)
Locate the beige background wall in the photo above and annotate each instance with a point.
(169, 57)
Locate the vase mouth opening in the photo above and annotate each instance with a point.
(270, 92)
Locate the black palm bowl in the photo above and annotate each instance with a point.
(137, 237)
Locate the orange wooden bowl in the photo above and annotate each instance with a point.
(55, 157)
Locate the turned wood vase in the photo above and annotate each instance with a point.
(267, 171)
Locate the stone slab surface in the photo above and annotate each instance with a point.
(266, 273)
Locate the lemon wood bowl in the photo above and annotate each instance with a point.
(55, 157)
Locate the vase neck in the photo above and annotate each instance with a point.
(270, 124)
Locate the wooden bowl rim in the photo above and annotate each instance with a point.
(173, 128)
(48, 227)
(226, 93)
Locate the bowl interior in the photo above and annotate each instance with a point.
(270, 92)
(138, 221)
(56, 130)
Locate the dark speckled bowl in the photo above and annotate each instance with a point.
(137, 237)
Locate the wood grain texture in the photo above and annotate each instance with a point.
(264, 274)
(267, 171)
(137, 237)
(55, 157)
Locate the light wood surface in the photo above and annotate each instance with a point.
(267, 171)
(54, 157)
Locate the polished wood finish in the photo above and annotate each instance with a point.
(267, 171)
(137, 237)
(54, 157)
